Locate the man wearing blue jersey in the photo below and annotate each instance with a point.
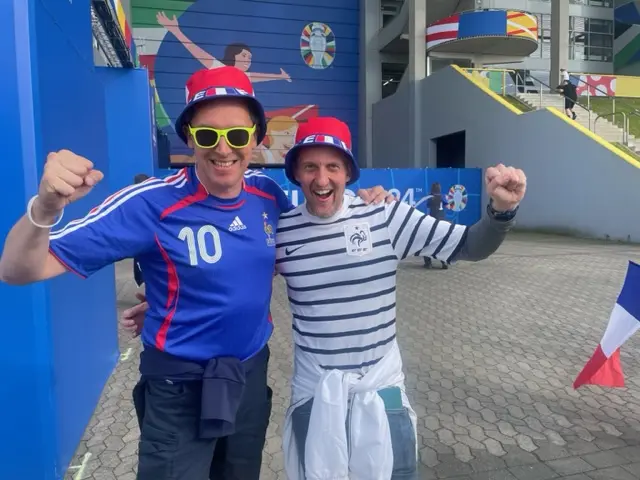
(205, 239)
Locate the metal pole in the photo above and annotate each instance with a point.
(540, 90)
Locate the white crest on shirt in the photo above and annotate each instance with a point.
(357, 237)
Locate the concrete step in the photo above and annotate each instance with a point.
(605, 129)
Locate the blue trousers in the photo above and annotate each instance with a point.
(403, 439)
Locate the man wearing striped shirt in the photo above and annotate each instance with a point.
(349, 414)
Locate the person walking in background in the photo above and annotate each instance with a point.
(570, 94)
(436, 210)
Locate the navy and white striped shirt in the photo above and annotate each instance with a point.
(341, 276)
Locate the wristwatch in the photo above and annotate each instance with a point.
(502, 216)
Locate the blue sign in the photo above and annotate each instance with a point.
(461, 189)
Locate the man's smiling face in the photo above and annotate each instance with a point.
(323, 175)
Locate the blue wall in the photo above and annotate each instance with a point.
(27, 420)
(272, 32)
(128, 112)
(82, 313)
(61, 335)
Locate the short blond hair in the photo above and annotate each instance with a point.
(280, 123)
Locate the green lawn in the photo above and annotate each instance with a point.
(602, 105)
(523, 107)
(626, 150)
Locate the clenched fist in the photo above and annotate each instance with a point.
(66, 178)
(506, 186)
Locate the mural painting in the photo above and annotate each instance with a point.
(626, 43)
(301, 57)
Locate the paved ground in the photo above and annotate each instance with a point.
(490, 349)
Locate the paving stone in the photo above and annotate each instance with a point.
(548, 451)
(577, 446)
(569, 466)
(494, 447)
(633, 468)
(429, 457)
(450, 466)
(631, 453)
(470, 442)
(538, 471)
(554, 437)
(526, 443)
(484, 461)
(490, 349)
(502, 474)
(604, 459)
(612, 473)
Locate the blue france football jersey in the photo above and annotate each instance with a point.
(208, 263)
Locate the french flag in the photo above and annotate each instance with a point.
(604, 367)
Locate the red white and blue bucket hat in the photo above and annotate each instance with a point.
(223, 82)
(325, 131)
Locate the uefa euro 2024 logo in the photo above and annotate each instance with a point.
(317, 45)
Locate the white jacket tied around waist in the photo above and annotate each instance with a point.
(327, 447)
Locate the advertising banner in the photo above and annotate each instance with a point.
(460, 189)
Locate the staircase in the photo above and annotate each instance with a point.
(604, 128)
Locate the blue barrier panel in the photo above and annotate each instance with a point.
(27, 421)
(61, 335)
(128, 105)
(461, 188)
(84, 338)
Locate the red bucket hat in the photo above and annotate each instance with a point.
(223, 82)
(327, 131)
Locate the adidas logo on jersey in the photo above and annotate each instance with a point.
(237, 225)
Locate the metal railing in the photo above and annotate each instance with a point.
(554, 90)
(542, 87)
(613, 98)
(595, 87)
(625, 123)
(505, 73)
(636, 113)
(626, 116)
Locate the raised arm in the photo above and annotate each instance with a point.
(26, 257)
(414, 233)
(172, 26)
(120, 227)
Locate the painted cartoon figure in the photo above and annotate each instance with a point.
(235, 54)
(281, 132)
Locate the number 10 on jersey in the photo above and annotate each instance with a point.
(199, 244)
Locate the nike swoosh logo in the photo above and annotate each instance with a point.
(289, 251)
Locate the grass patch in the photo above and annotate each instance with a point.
(626, 150)
(603, 105)
(516, 102)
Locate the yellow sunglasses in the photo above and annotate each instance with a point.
(209, 137)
